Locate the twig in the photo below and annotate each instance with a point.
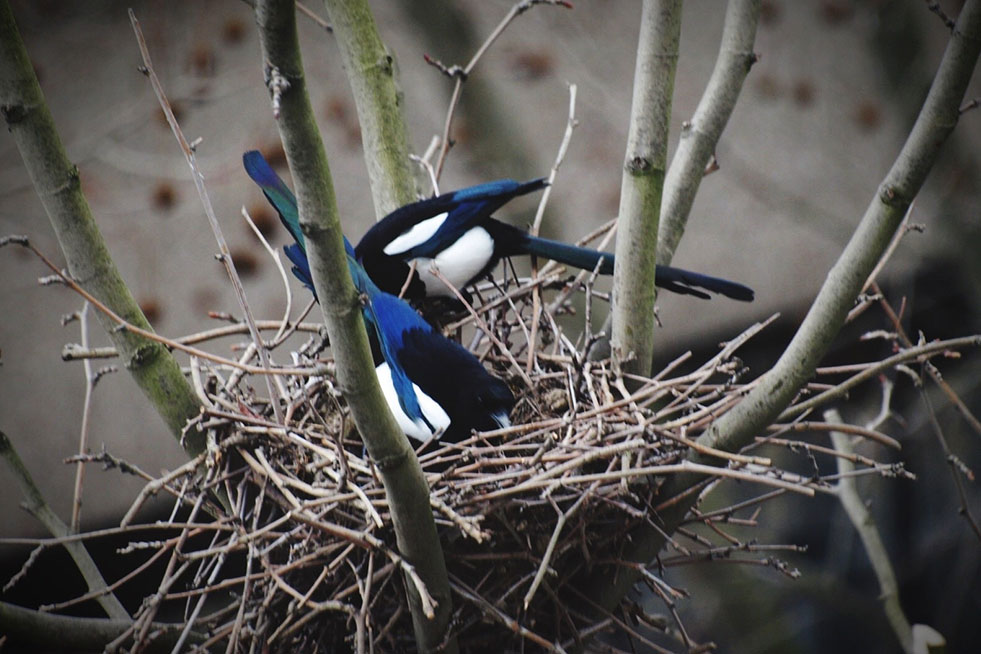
(864, 524)
(910, 354)
(75, 352)
(86, 415)
(39, 508)
(550, 548)
(956, 467)
(570, 125)
(934, 7)
(226, 257)
(461, 74)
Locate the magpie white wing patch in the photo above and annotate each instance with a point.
(416, 429)
(416, 235)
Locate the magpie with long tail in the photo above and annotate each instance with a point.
(456, 234)
(434, 387)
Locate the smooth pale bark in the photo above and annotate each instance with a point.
(373, 74)
(632, 337)
(36, 505)
(405, 486)
(700, 135)
(56, 182)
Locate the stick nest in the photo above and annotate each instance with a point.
(304, 543)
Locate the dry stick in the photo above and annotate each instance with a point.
(956, 468)
(360, 538)
(550, 548)
(36, 505)
(864, 524)
(277, 260)
(172, 573)
(536, 300)
(154, 486)
(810, 425)
(246, 592)
(83, 436)
(910, 354)
(931, 369)
(793, 445)
(226, 257)
(74, 351)
(362, 617)
(683, 467)
(461, 74)
(196, 612)
(427, 165)
(608, 230)
(506, 351)
(149, 335)
(497, 614)
(504, 299)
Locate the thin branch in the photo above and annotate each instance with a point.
(39, 508)
(225, 256)
(700, 135)
(57, 184)
(642, 184)
(83, 436)
(460, 74)
(957, 469)
(861, 519)
(123, 325)
(570, 125)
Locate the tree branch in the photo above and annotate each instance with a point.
(405, 486)
(861, 518)
(632, 336)
(36, 505)
(372, 71)
(700, 135)
(69, 633)
(56, 182)
(780, 385)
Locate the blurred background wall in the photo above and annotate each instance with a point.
(821, 118)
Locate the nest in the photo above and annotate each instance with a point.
(304, 544)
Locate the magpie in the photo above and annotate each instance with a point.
(434, 387)
(455, 233)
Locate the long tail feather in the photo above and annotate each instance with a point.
(276, 191)
(676, 280)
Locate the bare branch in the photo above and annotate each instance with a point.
(694, 157)
(39, 508)
(632, 310)
(57, 184)
(405, 487)
(225, 256)
(777, 388)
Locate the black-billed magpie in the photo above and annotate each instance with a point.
(456, 233)
(433, 386)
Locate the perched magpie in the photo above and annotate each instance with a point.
(433, 386)
(456, 232)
